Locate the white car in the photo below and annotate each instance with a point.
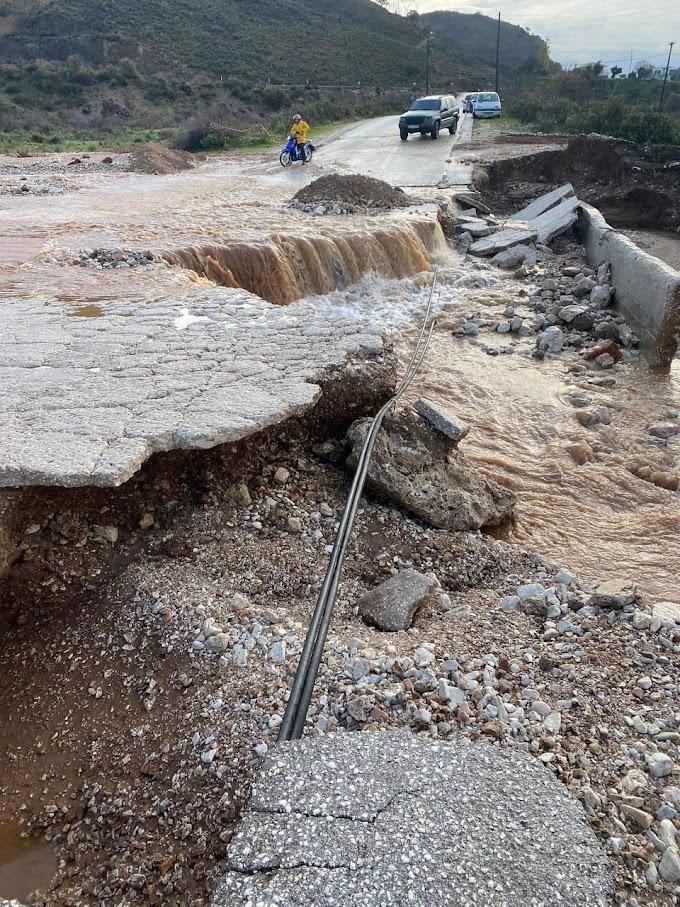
(487, 104)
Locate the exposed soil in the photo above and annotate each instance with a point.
(665, 246)
(633, 185)
(107, 762)
(60, 545)
(360, 191)
(159, 160)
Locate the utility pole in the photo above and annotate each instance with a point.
(630, 65)
(498, 49)
(428, 63)
(665, 78)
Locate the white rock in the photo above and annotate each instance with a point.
(669, 867)
(277, 653)
(660, 765)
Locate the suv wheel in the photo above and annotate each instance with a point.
(404, 134)
(435, 130)
(454, 125)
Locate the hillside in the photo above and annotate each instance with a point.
(98, 65)
(464, 49)
(339, 41)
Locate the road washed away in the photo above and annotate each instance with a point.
(173, 607)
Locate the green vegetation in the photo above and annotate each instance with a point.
(321, 112)
(58, 139)
(99, 69)
(583, 100)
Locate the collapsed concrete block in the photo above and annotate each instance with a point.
(504, 239)
(443, 419)
(545, 203)
(556, 220)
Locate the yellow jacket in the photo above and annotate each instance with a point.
(299, 132)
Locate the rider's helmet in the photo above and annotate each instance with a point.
(297, 118)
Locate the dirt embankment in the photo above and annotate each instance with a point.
(58, 546)
(159, 160)
(633, 185)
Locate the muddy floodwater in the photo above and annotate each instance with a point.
(229, 223)
(579, 502)
(26, 864)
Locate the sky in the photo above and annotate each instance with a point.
(582, 31)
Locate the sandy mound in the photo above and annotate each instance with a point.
(356, 191)
(160, 160)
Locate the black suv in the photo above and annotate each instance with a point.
(428, 115)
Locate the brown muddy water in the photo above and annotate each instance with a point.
(229, 224)
(26, 864)
(579, 503)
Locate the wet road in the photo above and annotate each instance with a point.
(374, 149)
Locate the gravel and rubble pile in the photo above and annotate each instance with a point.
(335, 194)
(568, 308)
(57, 185)
(64, 164)
(117, 258)
(158, 160)
(172, 689)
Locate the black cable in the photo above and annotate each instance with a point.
(295, 716)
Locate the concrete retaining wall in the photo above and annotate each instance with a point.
(647, 290)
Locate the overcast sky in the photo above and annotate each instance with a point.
(581, 31)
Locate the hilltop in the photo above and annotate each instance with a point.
(464, 48)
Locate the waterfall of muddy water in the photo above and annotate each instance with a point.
(288, 267)
(579, 503)
(26, 864)
(227, 222)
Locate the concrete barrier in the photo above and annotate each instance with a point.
(647, 290)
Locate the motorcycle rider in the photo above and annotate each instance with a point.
(299, 131)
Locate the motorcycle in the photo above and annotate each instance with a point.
(290, 153)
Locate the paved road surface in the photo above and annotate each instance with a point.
(374, 149)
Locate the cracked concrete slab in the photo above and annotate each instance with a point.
(545, 202)
(86, 401)
(504, 239)
(390, 818)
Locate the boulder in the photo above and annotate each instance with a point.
(551, 340)
(604, 346)
(419, 467)
(667, 611)
(393, 605)
(590, 417)
(513, 258)
(600, 296)
(664, 430)
(570, 312)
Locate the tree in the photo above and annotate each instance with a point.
(616, 71)
(644, 70)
